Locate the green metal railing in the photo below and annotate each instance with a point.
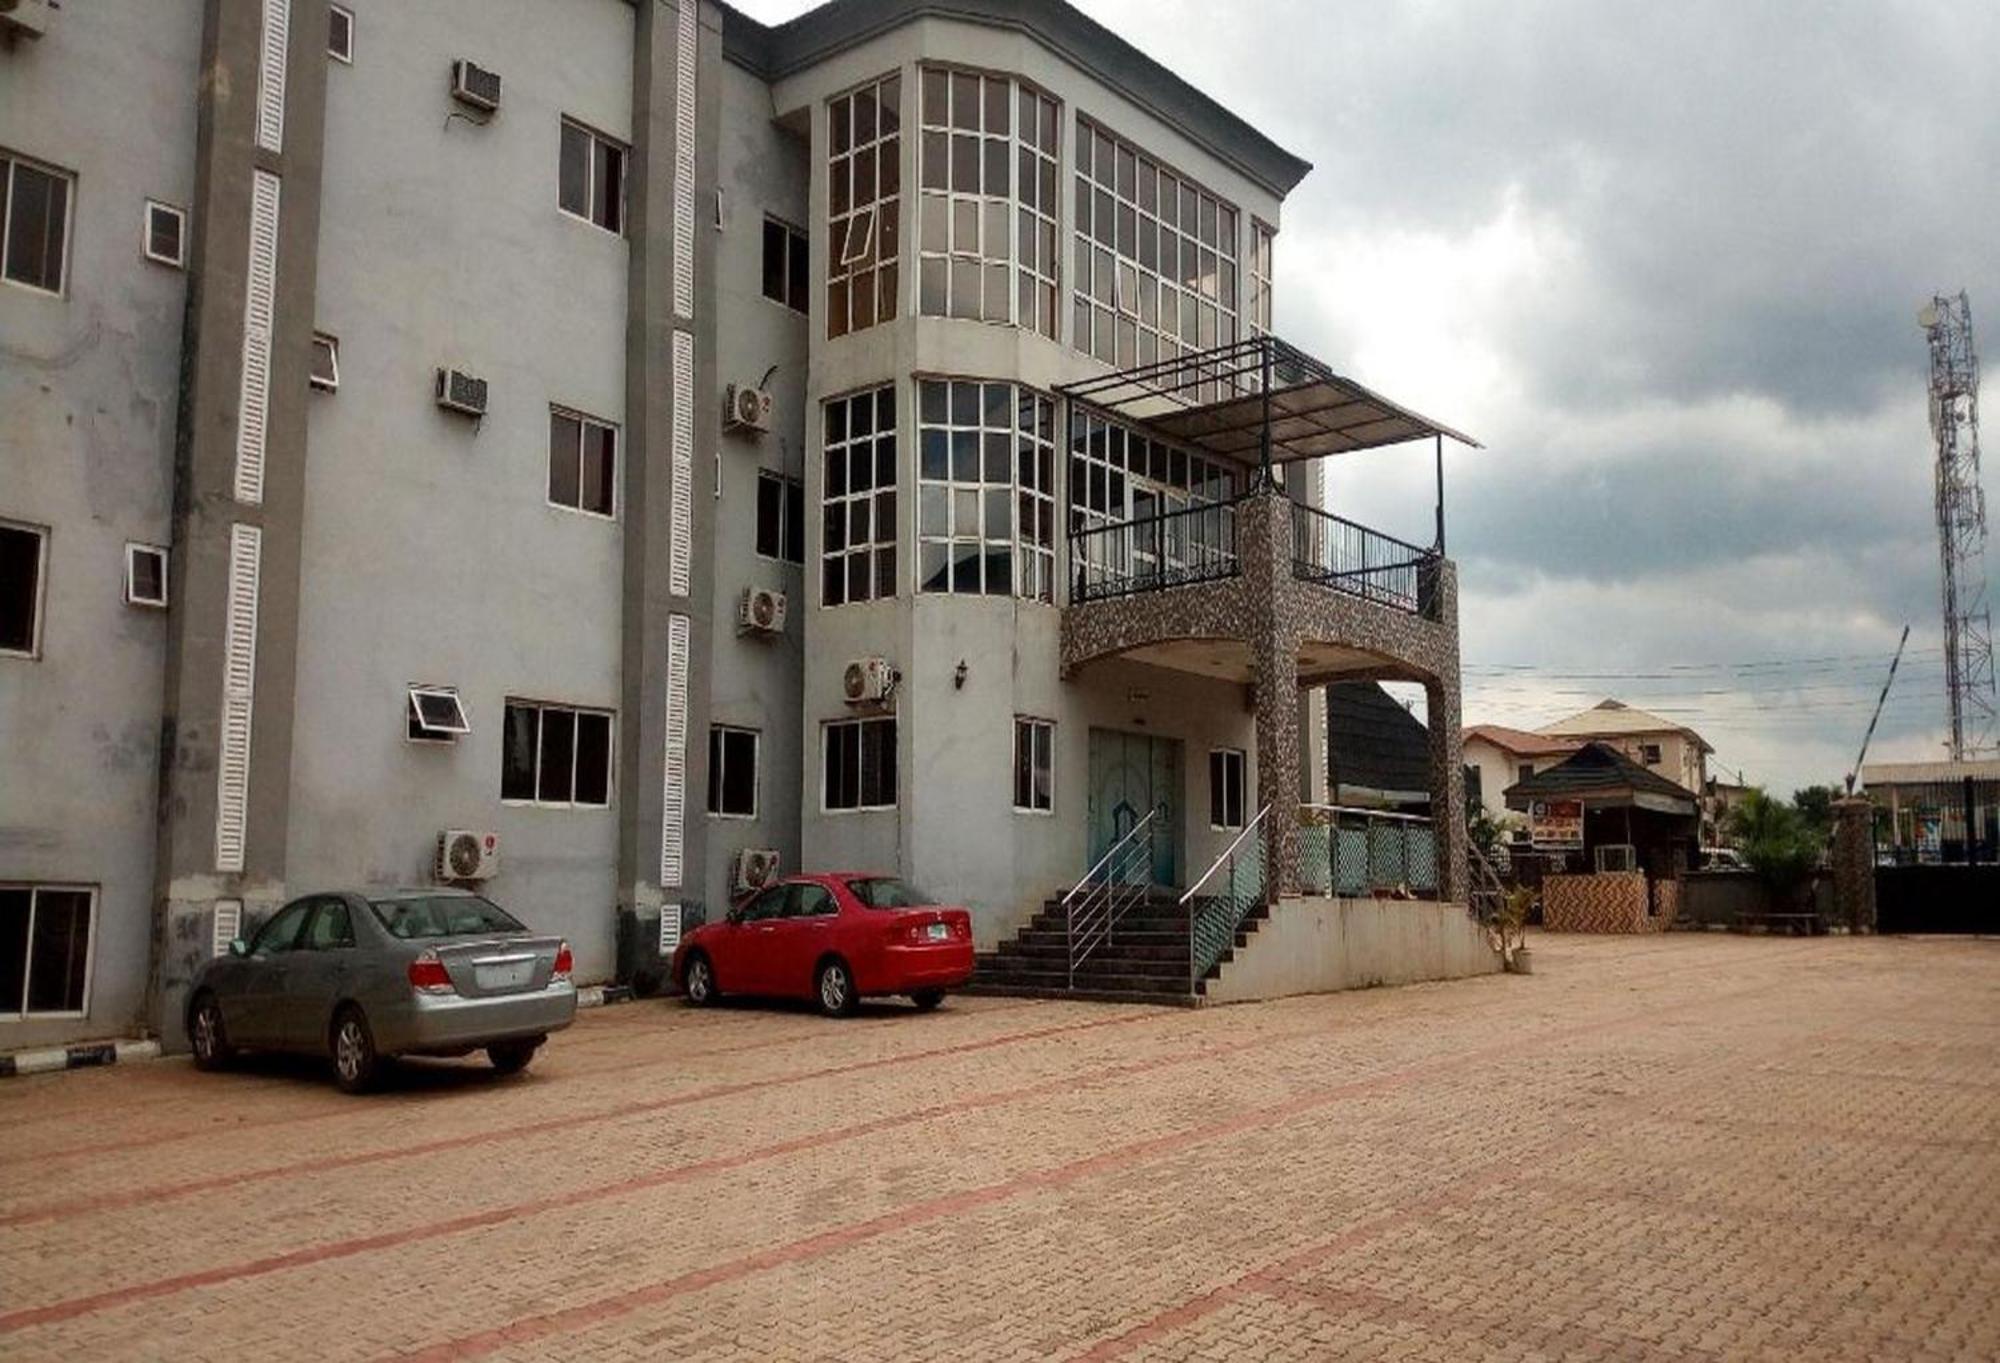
(1360, 851)
(1238, 880)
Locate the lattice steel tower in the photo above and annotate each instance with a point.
(1961, 518)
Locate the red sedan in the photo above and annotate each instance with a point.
(834, 939)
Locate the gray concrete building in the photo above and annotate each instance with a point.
(658, 446)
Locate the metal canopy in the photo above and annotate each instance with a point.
(1225, 400)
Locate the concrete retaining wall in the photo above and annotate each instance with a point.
(1317, 946)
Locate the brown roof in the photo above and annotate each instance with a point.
(1520, 742)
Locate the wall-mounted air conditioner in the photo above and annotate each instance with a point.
(755, 868)
(868, 681)
(762, 611)
(458, 391)
(466, 855)
(475, 86)
(747, 409)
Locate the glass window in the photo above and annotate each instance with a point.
(45, 948)
(887, 892)
(583, 463)
(1258, 310)
(1156, 260)
(1225, 788)
(435, 714)
(34, 223)
(858, 498)
(864, 201)
(732, 772)
(282, 932)
(556, 755)
(590, 181)
(987, 243)
(781, 517)
(340, 33)
(443, 915)
(1124, 487)
(21, 563)
(1034, 765)
(808, 900)
(324, 373)
(166, 228)
(787, 265)
(145, 575)
(332, 927)
(986, 489)
(860, 764)
(768, 904)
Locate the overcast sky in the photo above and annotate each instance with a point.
(1665, 261)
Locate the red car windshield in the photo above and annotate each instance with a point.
(887, 892)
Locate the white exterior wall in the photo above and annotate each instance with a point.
(431, 553)
(89, 389)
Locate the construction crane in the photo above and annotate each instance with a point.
(1961, 518)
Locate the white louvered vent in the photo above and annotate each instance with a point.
(673, 803)
(271, 75)
(680, 495)
(239, 684)
(686, 42)
(253, 406)
(228, 925)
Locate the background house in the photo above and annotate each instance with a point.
(1503, 756)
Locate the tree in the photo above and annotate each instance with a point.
(1815, 807)
(1776, 842)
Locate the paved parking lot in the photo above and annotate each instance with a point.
(1687, 1147)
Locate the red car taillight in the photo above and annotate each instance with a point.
(563, 962)
(428, 975)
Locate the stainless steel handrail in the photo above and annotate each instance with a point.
(1092, 907)
(1227, 853)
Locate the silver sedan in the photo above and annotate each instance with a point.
(364, 977)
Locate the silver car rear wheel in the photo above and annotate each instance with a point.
(354, 1058)
(206, 1035)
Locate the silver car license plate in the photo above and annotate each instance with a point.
(511, 975)
(939, 931)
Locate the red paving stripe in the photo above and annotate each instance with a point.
(344, 1108)
(558, 1202)
(73, 1207)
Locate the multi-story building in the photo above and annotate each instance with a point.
(638, 437)
(1659, 745)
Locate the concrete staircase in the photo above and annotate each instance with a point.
(1146, 960)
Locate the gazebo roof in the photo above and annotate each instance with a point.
(1603, 778)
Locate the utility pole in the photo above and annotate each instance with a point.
(1961, 518)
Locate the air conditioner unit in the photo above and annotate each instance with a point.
(475, 85)
(458, 391)
(1617, 857)
(465, 855)
(25, 18)
(756, 867)
(867, 681)
(749, 409)
(762, 611)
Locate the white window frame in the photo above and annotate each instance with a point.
(325, 343)
(418, 729)
(845, 268)
(541, 708)
(346, 57)
(132, 552)
(718, 750)
(1239, 760)
(590, 176)
(41, 598)
(798, 243)
(1260, 273)
(68, 180)
(826, 729)
(1030, 725)
(584, 420)
(1023, 552)
(786, 486)
(881, 536)
(177, 261)
(16, 1010)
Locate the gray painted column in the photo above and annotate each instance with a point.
(1264, 549)
(206, 506)
(1442, 697)
(650, 601)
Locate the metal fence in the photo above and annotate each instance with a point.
(1172, 549)
(1358, 852)
(1337, 553)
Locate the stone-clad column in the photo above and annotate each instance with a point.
(1264, 549)
(1854, 863)
(1447, 752)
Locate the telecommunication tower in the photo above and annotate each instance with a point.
(1961, 518)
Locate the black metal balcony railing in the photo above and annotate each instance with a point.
(1172, 549)
(1337, 553)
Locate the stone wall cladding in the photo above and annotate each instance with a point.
(1854, 864)
(1270, 610)
(1612, 901)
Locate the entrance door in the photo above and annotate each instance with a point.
(1129, 775)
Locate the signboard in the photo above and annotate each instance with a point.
(1556, 825)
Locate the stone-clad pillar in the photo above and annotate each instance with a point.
(1264, 547)
(1854, 863)
(1447, 753)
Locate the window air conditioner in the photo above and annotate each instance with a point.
(475, 85)
(458, 391)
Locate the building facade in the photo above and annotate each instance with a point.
(643, 440)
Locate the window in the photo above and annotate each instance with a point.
(583, 463)
(325, 372)
(1524, 771)
(986, 489)
(340, 34)
(1034, 765)
(591, 182)
(1649, 753)
(1118, 477)
(806, 900)
(732, 772)
(987, 245)
(332, 927)
(860, 764)
(787, 265)
(781, 517)
(1225, 788)
(145, 575)
(23, 564)
(435, 715)
(768, 904)
(556, 755)
(458, 915)
(166, 232)
(1155, 259)
(34, 223)
(858, 499)
(887, 892)
(45, 949)
(1258, 318)
(865, 181)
